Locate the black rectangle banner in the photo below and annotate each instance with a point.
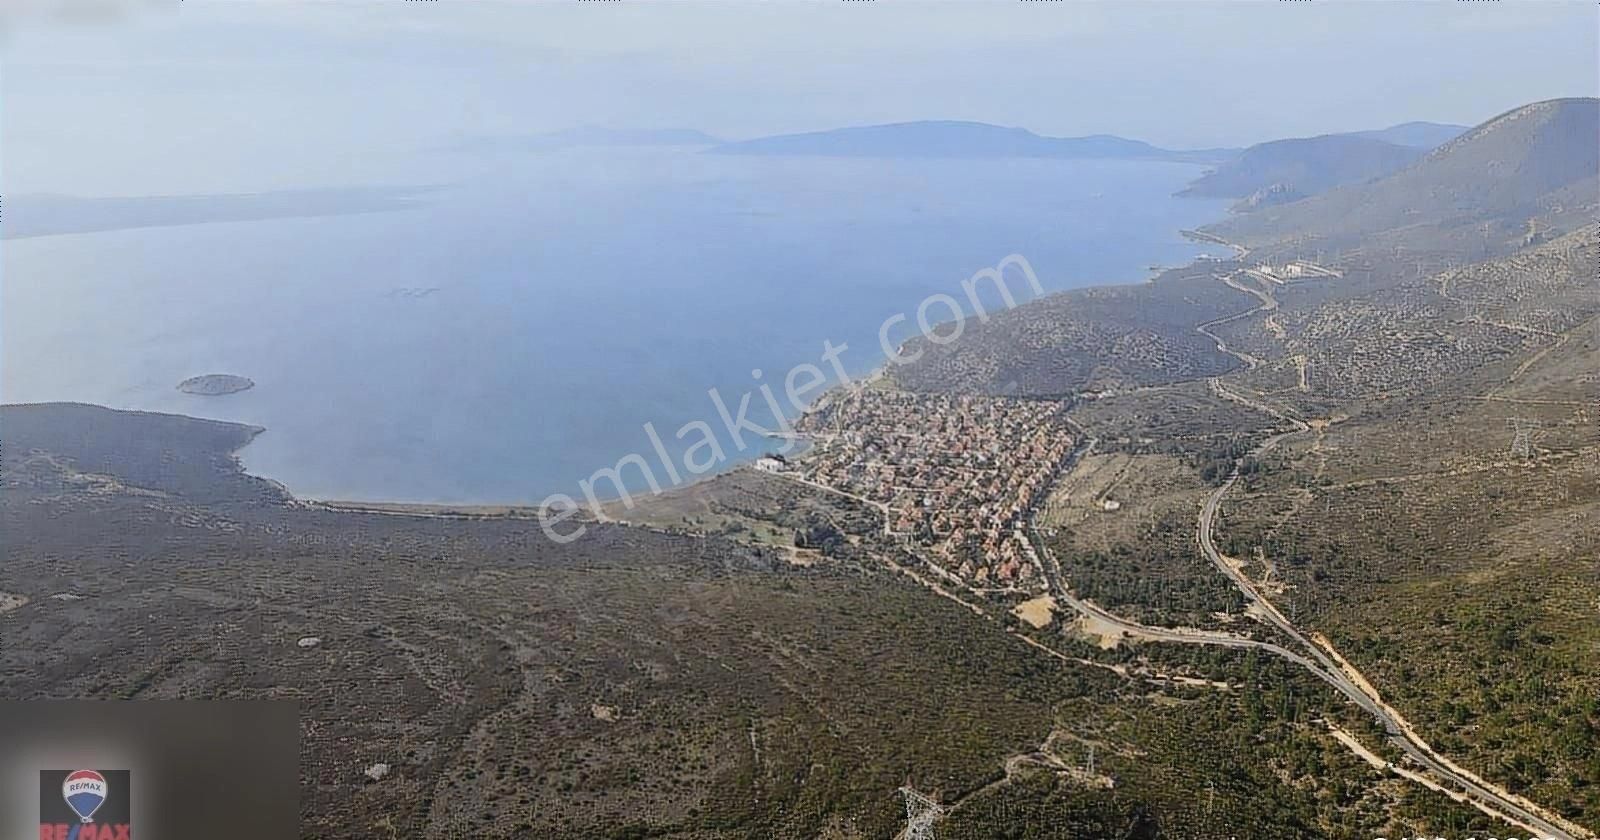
(141, 770)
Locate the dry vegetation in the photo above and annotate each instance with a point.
(1098, 339)
(634, 683)
(684, 677)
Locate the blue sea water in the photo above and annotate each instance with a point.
(512, 331)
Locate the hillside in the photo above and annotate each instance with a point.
(1395, 517)
(1303, 166)
(1281, 171)
(954, 139)
(636, 683)
(1475, 195)
(1520, 179)
(1405, 526)
(1423, 331)
(631, 679)
(1094, 339)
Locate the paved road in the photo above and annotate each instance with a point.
(1050, 567)
(1315, 660)
(1400, 733)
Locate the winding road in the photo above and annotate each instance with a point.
(1315, 653)
(1334, 669)
(1318, 656)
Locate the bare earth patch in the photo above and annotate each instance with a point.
(1105, 634)
(1038, 612)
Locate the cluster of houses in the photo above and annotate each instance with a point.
(957, 474)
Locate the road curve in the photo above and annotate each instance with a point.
(1484, 795)
(1322, 663)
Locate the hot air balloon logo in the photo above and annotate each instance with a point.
(84, 804)
(85, 791)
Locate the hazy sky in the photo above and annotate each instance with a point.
(243, 94)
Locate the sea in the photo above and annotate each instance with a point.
(510, 325)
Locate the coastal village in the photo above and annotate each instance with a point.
(956, 474)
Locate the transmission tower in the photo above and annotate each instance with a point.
(921, 811)
(1522, 430)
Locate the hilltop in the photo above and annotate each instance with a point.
(1475, 195)
(1517, 180)
(1281, 171)
(1422, 135)
(1299, 167)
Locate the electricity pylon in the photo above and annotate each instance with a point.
(1522, 430)
(921, 811)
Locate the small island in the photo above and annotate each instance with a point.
(215, 384)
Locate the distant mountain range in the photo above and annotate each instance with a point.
(958, 139)
(1282, 171)
(1535, 164)
(586, 136)
(1423, 135)
(954, 139)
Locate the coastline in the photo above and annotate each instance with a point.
(878, 376)
(487, 510)
(378, 445)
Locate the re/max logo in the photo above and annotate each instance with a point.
(83, 831)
